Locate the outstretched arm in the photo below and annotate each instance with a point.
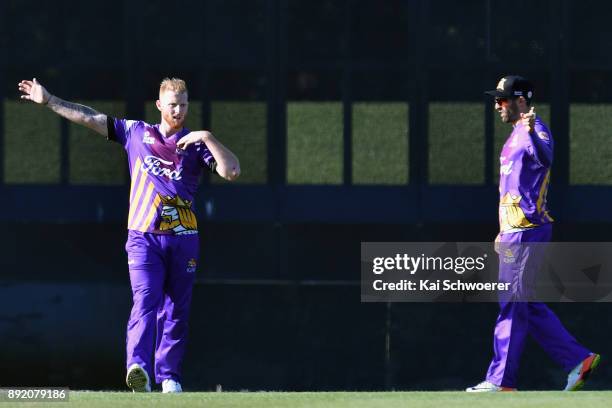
(80, 114)
(228, 165)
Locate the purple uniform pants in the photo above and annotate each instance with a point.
(519, 318)
(162, 272)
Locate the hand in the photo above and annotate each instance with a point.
(34, 91)
(528, 119)
(191, 138)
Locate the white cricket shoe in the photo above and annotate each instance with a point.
(487, 386)
(580, 373)
(138, 379)
(171, 386)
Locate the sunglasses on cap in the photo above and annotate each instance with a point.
(502, 101)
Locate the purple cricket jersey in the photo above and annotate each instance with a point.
(164, 179)
(524, 177)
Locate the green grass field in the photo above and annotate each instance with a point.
(555, 399)
(380, 139)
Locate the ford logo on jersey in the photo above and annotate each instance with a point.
(156, 166)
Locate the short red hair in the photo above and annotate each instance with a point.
(175, 85)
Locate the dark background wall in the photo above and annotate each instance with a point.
(277, 302)
(258, 323)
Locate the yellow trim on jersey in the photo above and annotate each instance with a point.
(187, 218)
(152, 211)
(143, 206)
(511, 215)
(543, 191)
(134, 202)
(135, 174)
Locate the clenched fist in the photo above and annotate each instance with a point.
(528, 119)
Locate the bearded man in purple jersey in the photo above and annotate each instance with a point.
(165, 162)
(525, 163)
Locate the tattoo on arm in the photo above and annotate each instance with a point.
(80, 114)
(69, 106)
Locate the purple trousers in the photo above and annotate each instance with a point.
(519, 318)
(162, 272)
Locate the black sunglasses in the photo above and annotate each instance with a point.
(500, 101)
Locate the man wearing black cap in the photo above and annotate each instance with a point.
(525, 163)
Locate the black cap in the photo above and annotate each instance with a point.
(512, 86)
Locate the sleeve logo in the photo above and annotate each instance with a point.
(544, 136)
